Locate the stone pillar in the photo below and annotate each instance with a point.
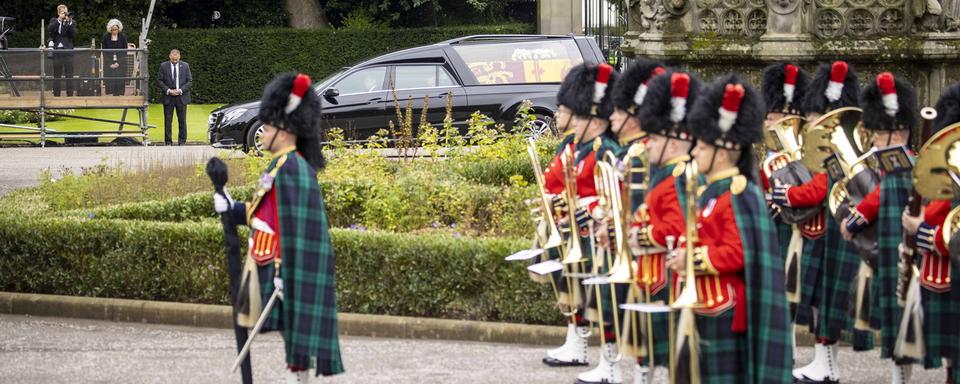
(559, 17)
(787, 34)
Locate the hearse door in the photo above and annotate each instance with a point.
(355, 103)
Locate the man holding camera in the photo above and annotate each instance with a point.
(62, 29)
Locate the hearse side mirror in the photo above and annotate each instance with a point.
(331, 93)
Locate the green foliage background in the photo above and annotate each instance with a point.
(233, 65)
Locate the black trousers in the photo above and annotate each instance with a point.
(181, 121)
(63, 68)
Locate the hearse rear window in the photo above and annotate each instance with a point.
(543, 61)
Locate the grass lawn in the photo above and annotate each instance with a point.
(196, 122)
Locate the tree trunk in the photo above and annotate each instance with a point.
(306, 14)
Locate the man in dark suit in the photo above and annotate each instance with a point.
(175, 81)
(62, 29)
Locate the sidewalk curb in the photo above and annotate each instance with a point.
(351, 324)
(218, 316)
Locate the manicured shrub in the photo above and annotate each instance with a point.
(434, 275)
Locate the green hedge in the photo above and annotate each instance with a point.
(234, 64)
(404, 205)
(383, 273)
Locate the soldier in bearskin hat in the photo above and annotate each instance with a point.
(291, 255)
(783, 87)
(939, 279)
(825, 280)
(629, 94)
(890, 113)
(586, 95)
(659, 220)
(742, 315)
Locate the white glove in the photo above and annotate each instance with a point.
(222, 204)
(278, 283)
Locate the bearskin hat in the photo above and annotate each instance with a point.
(889, 104)
(587, 90)
(784, 86)
(633, 84)
(667, 104)
(728, 113)
(834, 86)
(289, 103)
(948, 108)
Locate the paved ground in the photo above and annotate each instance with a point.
(20, 167)
(56, 350)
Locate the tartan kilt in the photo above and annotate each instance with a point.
(266, 273)
(885, 312)
(660, 324)
(811, 293)
(784, 232)
(723, 353)
(837, 284)
(940, 314)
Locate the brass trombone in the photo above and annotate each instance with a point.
(553, 237)
(688, 299)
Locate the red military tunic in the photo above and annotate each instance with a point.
(809, 194)
(869, 207)
(264, 242)
(720, 283)
(586, 187)
(661, 216)
(935, 266)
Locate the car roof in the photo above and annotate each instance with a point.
(434, 52)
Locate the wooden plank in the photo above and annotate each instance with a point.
(32, 100)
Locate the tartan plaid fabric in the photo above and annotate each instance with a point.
(940, 314)
(811, 294)
(308, 314)
(885, 312)
(840, 265)
(769, 335)
(723, 353)
(811, 264)
(767, 345)
(567, 139)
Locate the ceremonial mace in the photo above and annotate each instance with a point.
(217, 171)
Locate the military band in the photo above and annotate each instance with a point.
(666, 235)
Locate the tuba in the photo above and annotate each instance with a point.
(787, 166)
(852, 168)
(952, 237)
(938, 165)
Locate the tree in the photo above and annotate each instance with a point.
(306, 14)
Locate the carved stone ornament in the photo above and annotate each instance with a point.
(709, 21)
(677, 7)
(828, 3)
(891, 3)
(756, 22)
(891, 22)
(733, 23)
(783, 7)
(829, 23)
(860, 23)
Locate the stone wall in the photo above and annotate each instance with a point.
(917, 39)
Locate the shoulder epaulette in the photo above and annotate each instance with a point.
(738, 184)
(679, 169)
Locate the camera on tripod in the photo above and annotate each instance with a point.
(6, 27)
